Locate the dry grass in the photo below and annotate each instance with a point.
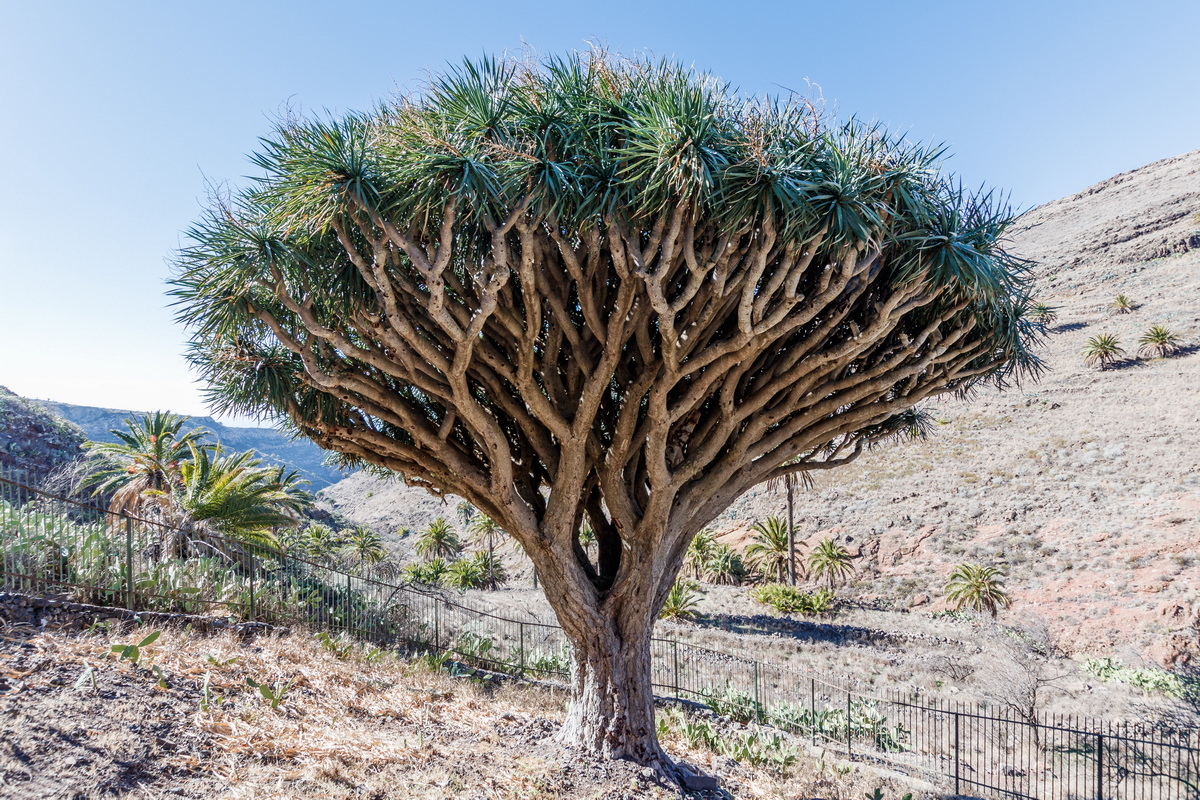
(362, 725)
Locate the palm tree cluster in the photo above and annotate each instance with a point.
(205, 497)
(443, 561)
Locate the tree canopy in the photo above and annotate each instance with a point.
(601, 289)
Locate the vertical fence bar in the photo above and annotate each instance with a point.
(849, 729)
(1099, 766)
(812, 699)
(675, 658)
(129, 596)
(521, 648)
(252, 571)
(957, 757)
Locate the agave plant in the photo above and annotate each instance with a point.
(1043, 314)
(439, 541)
(831, 561)
(1121, 304)
(769, 551)
(1102, 351)
(977, 587)
(1158, 342)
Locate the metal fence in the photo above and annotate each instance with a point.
(54, 545)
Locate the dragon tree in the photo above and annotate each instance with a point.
(605, 291)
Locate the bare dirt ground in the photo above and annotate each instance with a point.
(1083, 486)
(182, 722)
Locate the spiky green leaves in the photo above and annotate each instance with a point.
(1103, 351)
(977, 587)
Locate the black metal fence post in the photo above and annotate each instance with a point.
(957, 757)
(252, 571)
(812, 697)
(130, 600)
(1099, 766)
(675, 658)
(849, 729)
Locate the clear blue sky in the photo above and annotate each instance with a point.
(114, 115)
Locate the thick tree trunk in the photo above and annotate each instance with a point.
(791, 537)
(611, 714)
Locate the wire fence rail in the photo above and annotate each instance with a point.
(52, 545)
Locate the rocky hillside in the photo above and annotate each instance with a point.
(1085, 486)
(273, 446)
(33, 442)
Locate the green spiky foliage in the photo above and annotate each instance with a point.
(439, 540)
(320, 542)
(699, 552)
(229, 496)
(601, 288)
(725, 566)
(1103, 351)
(1158, 342)
(977, 587)
(364, 548)
(1121, 304)
(681, 601)
(831, 561)
(1044, 314)
(146, 458)
(485, 532)
(770, 552)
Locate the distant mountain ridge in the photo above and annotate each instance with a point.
(273, 446)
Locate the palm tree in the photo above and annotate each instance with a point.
(724, 566)
(1158, 342)
(485, 531)
(320, 541)
(466, 512)
(228, 496)
(1121, 305)
(700, 552)
(978, 587)
(146, 458)
(365, 548)
(770, 551)
(831, 561)
(1103, 351)
(439, 541)
(789, 482)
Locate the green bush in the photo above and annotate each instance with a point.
(429, 573)
(1148, 680)
(737, 705)
(791, 600)
(681, 600)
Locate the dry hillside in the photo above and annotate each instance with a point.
(1085, 485)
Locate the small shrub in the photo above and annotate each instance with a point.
(1158, 342)
(429, 573)
(1102, 351)
(1044, 315)
(1148, 680)
(272, 694)
(736, 705)
(541, 664)
(791, 600)
(473, 646)
(133, 652)
(1121, 304)
(681, 600)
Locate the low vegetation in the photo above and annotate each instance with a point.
(1103, 351)
(1158, 342)
(792, 600)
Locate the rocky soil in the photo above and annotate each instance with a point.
(1084, 485)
